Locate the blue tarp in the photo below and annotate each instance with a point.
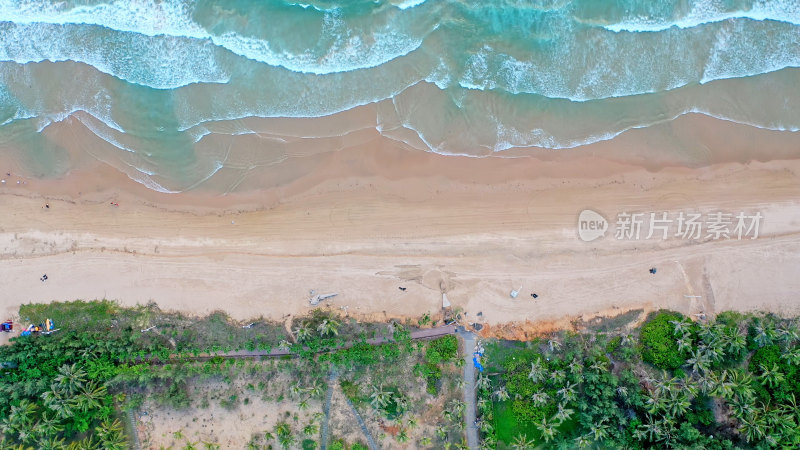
(477, 364)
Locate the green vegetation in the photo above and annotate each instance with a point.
(729, 383)
(658, 344)
(441, 351)
(73, 388)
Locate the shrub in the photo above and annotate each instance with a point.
(768, 355)
(350, 390)
(442, 349)
(658, 344)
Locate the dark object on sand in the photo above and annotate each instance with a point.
(534, 295)
(402, 288)
(653, 270)
(477, 326)
(43, 278)
(47, 205)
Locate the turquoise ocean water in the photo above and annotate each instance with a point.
(162, 81)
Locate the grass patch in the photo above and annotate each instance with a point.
(507, 426)
(70, 315)
(499, 351)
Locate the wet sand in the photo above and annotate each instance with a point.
(365, 220)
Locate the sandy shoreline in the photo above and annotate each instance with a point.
(369, 219)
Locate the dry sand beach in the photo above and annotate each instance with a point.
(374, 217)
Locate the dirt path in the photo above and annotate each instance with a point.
(325, 431)
(370, 440)
(469, 388)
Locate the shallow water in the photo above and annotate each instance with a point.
(161, 83)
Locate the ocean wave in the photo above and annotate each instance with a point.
(166, 63)
(708, 12)
(338, 49)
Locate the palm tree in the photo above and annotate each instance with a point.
(49, 425)
(303, 405)
(111, 435)
(563, 413)
(457, 406)
(678, 404)
(599, 431)
(521, 442)
(557, 377)
(485, 426)
(698, 361)
(548, 430)
(684, 343)
(283, 429)
(425, 441)
(787, 333)
(483, 382)
(328, 327)
(295, 389)
(540, 398)
(753, 427)
(771, 377)
(50, 443)
(379, 398)
(681, 327)
(575, 367)
(501, 394)
(742, 384)
(583, 441)
(315, 390)
(402, 436)
(792, 356)
(651, 428)
(537, 371)
(734, 341)
(441, 431)
(741, 408)
(190, 446)
(554, 345)
(599, 365)
(302, 333)
(488, 443)
(211, 445)
(310, 429)
(567, 393)
(286, 440)
(411, 423)
(764, 334)
(70, 379)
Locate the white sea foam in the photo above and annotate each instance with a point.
(165, 63)
(162, 20)
(708, 12)
(406, 4)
